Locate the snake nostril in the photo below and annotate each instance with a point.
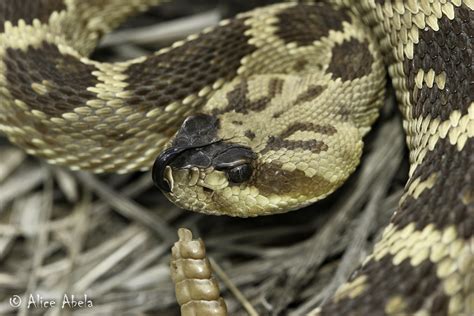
(206, 190)
(160, 178)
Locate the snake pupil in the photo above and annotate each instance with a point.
(240, 173)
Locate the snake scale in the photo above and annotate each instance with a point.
(265, 113)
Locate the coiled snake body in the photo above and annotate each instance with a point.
(277, 101)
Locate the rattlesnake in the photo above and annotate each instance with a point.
(277, 101)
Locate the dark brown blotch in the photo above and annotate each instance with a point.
(278, 114)
(315, 146)
(448, 50)
(344, 112)
(303, 24)
(249, 134)
(300, 64)
(238, 101)
(276, 143)
(350, 60)
(67, 78)
(28, 10)
(270, 178)
(275, 87)
(385, 280)
(446, 203)
(310, 94)
(185, 70)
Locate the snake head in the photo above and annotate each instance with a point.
(198, 163)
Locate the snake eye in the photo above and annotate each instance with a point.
(240, 173)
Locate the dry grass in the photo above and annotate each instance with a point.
(109, 236)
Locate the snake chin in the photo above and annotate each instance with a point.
(199, 169)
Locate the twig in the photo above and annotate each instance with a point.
(231, 286)
(42, 241)
(163, 32)
(127, 207)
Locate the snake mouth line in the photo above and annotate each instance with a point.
(233, 159)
